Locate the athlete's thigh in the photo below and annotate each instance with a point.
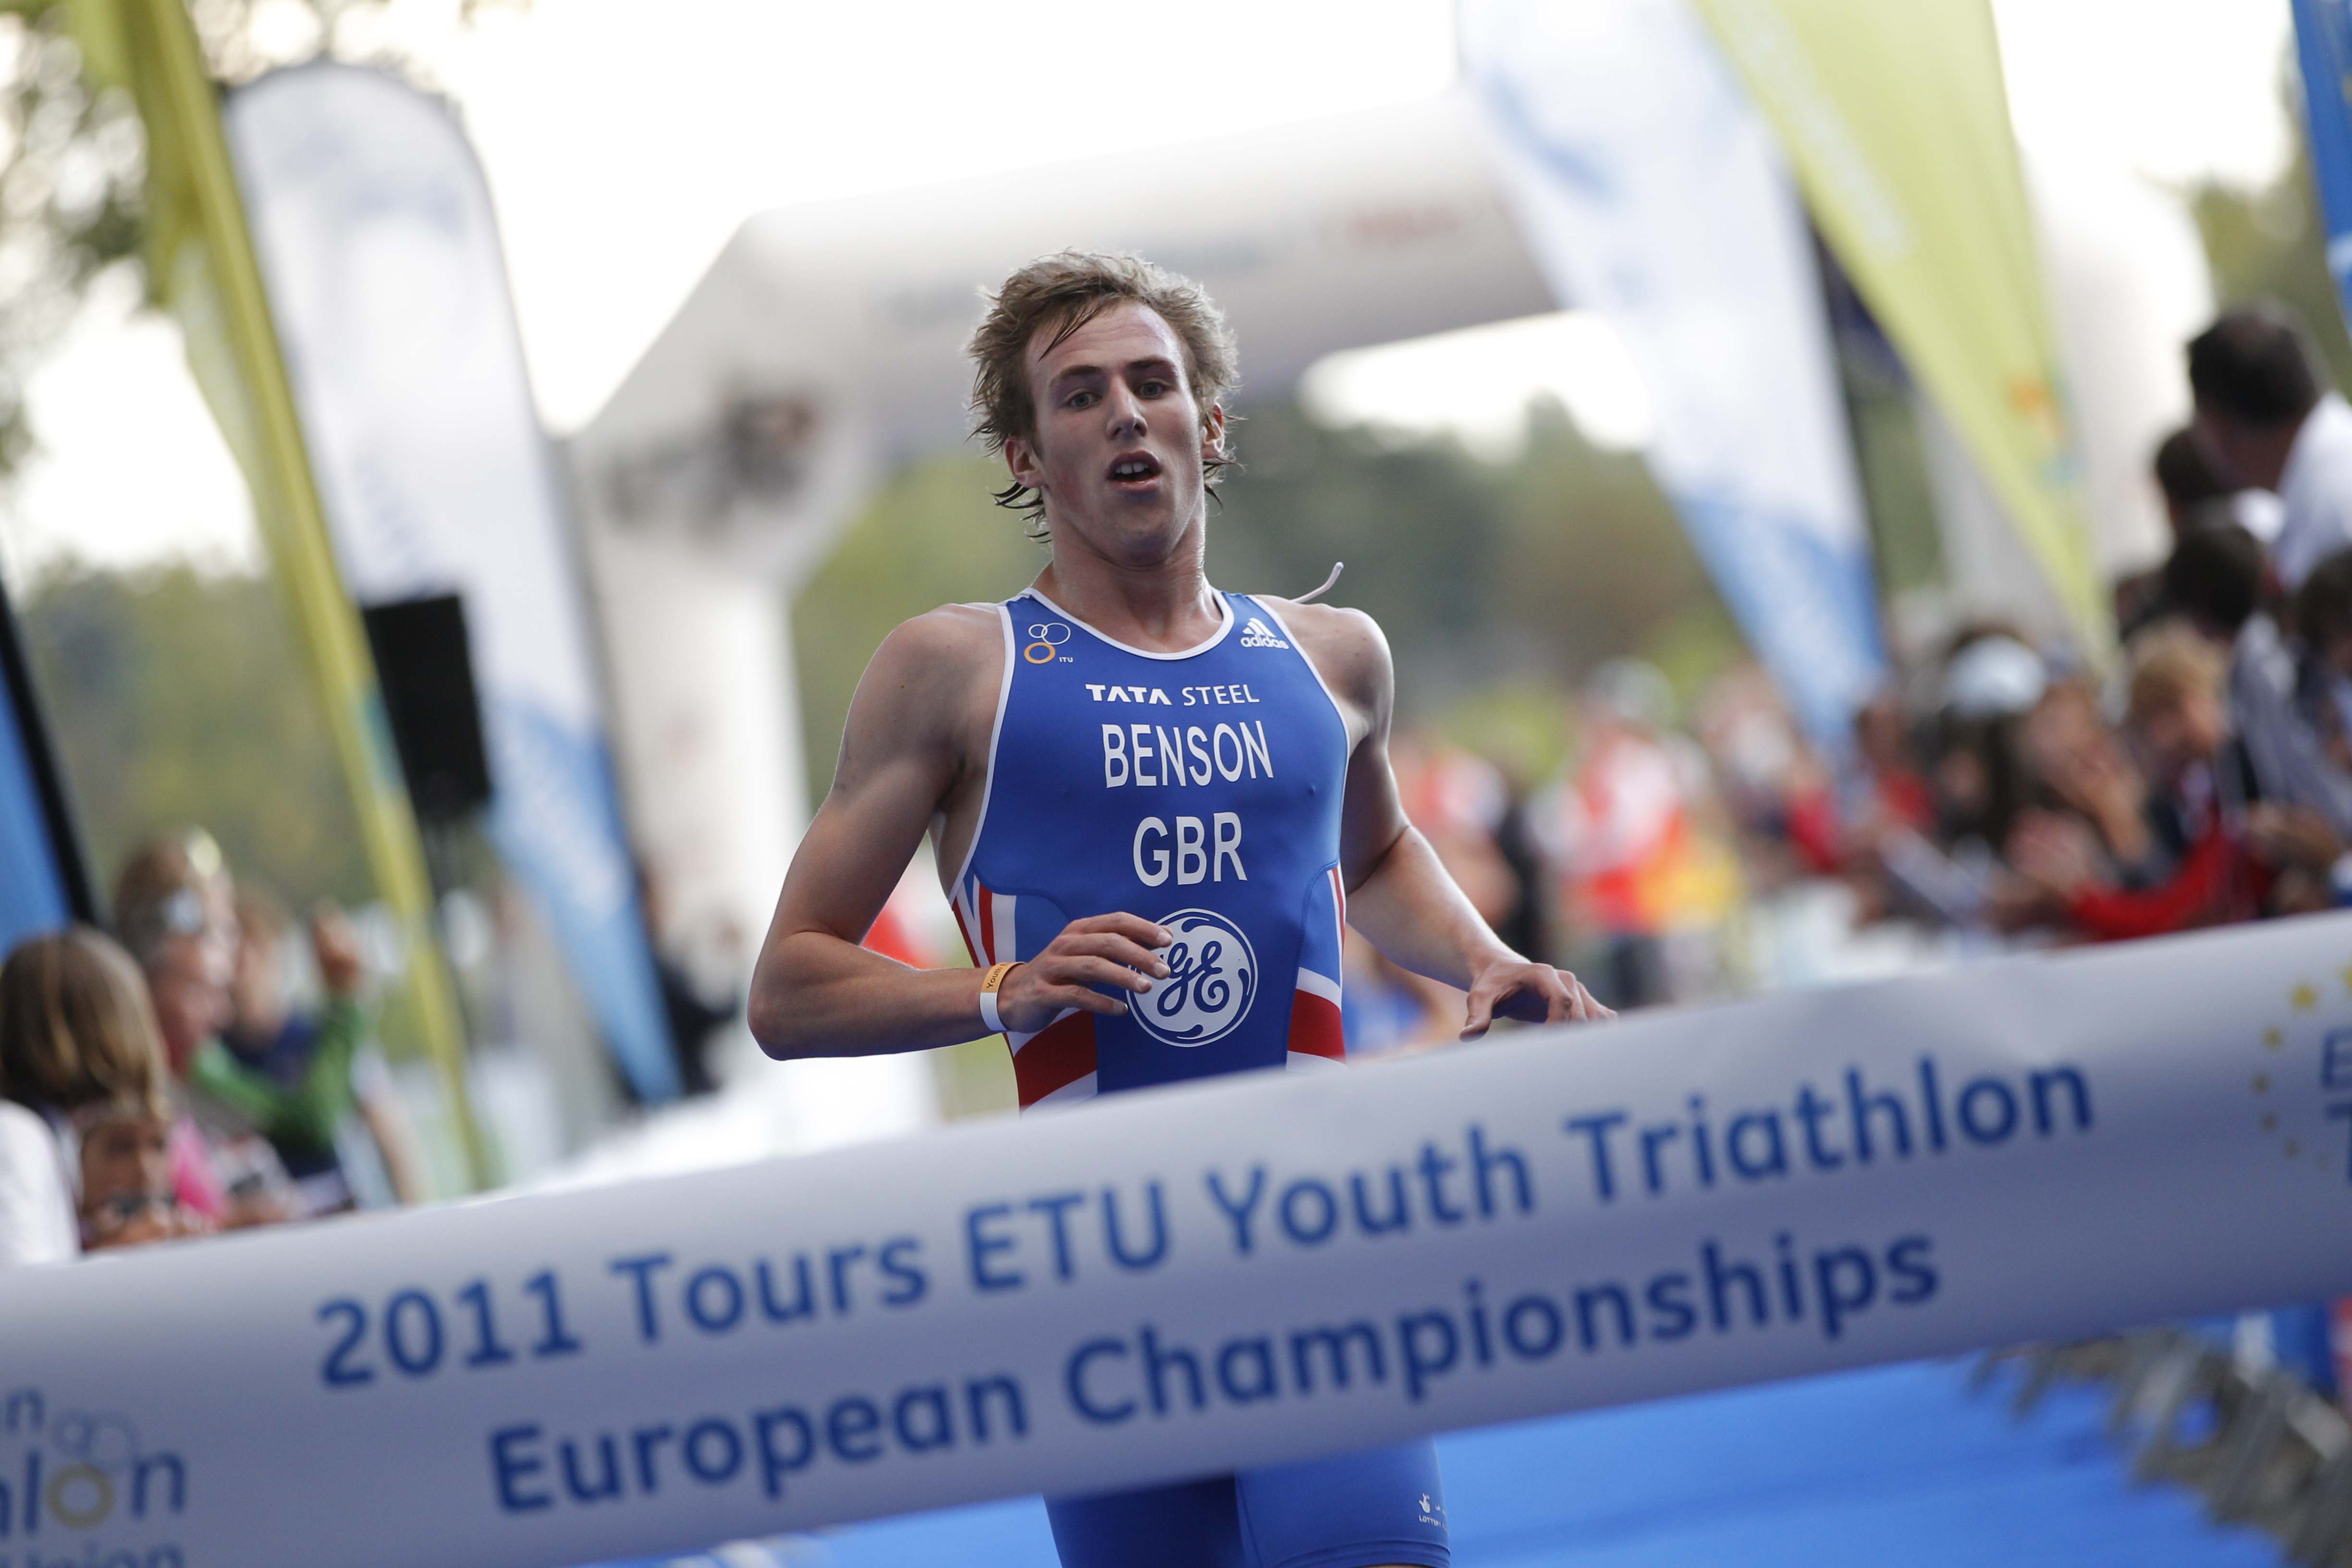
(1188, 1525)
(1356, 1510)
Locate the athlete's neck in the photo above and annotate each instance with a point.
(1165, 606)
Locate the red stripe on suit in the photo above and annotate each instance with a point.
(1314, 1026)
(1056, 1056)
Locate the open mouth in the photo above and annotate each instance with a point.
(1134, 469)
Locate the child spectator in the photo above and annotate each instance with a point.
(81, 1103)
(2178, 727)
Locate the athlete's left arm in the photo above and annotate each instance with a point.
(1399, 894)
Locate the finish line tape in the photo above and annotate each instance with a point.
(1227, 1273)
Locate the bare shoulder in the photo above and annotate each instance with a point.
(942, 650)
(933, 678)
(1347, 649)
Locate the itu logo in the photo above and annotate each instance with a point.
(1211, 980)
(67, 1475)
(1046, 641)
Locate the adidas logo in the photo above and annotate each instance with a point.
(1256, 635)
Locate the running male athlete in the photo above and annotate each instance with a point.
(1152, 803)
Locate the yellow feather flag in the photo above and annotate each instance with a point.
(200, 266)
(1896, 122)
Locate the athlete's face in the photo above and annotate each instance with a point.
(1119, 437)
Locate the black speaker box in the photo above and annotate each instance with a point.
(427, 671)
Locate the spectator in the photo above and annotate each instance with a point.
(79, 1059)
(1768, 781)
(126, 1176)
(312, 1082)
(2199, 494)
(1388, 1009)
(2189, 478)
(1899, 796)
(2261, 411)
(174, 908)
(2323, 618)
(1992, 680)
(2197, 498)
(2178, 726)
(1457, 799)
(2216, 578)
(696, 1013)
(1623, 827)
(2218, 582)
(2069, 749)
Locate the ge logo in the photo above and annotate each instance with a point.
(1211, 980)
(1045, 637)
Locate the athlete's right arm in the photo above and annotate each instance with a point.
(918, 735)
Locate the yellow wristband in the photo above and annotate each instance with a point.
(989, 983)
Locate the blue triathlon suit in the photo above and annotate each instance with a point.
(1201, 790)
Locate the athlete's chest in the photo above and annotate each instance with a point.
(1187, 766)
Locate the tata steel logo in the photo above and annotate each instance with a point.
(1211, 980)
(82, 1482)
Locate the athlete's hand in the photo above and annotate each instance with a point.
(1531, 992)
(1086, 966)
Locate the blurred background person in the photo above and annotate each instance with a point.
(2270, 423)
(2189, 478)
(311, 1080)
(2218, 583)
(83, 1113)
(175, 911)
(125, 1167)
(2082, 769)
(2187, 860)
(1622, 828)
(1779, 800)
(697, 1011)
(1462, 805)
(2199, 497)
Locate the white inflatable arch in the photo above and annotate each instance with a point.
(825, 348)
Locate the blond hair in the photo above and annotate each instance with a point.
(77, 1027)
(1065, 291)
(160, 893)
(2169, 665)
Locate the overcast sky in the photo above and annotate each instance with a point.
(624, 142)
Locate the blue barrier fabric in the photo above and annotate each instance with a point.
(1859, 1469)
(33, 884)
(2323, 51)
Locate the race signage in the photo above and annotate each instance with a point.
(1225, 1274)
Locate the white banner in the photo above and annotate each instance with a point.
(381, 253)
(1225, 1274)
(1651, 192)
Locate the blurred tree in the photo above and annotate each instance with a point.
(2273, 244)
(72, 161)
(174, 698)
(931, 538)
(1597, 563)
(177, 695)
(1422, 527)
(70, 166)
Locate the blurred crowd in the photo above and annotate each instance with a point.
(2003, 791)
(206, 1066)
